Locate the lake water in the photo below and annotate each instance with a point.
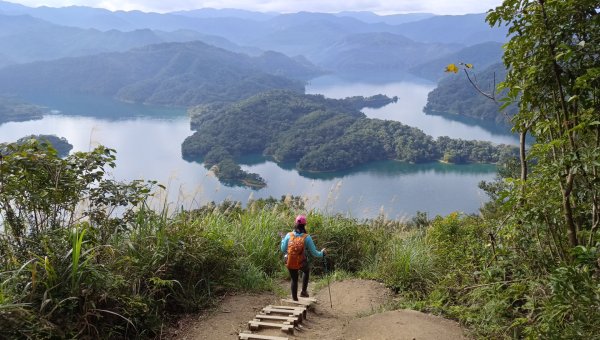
(148, 143)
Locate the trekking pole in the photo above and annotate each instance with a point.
(328, 283)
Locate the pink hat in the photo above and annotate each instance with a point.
(300, 219)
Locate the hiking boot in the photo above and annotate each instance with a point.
(304, 294)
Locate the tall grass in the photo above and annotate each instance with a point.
(407, 264)
(80, 282)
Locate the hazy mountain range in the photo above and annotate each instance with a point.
(73, 31)
(25, 39)
(208, 55)
(480, 56)
(181, 74)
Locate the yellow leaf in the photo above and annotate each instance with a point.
(452, 68)
(469, 65)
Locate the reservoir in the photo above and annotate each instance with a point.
(148, 143)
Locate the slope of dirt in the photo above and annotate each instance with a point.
(400, 325)
(225, 322)
(351, 298)
(353, 316)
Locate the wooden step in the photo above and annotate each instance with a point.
(302, 309)
(247, 336)
(291, 313)
(277, 317)
(255, 325)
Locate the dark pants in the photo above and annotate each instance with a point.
(294, 276)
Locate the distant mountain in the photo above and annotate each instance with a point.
(302, 33)
(77, 16)
(480, 55)
(9, 7)
(378, 52)
(215, 40)
(307, 33)
(104, 20)
(226, 13)
(179, 74)
(293, 34)
(469, 29)
(25, 39)
(393, 19)
(455, 97)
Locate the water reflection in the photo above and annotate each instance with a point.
(100, 107)
(395, 168)
(148, 143)
(409, 108)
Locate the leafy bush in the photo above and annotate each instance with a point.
(406, 264)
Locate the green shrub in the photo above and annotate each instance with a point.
(407, 264)
(571, 307)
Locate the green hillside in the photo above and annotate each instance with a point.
(455, 95)
(481, 55)
(178, 74)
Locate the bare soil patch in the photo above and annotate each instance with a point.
(401, 325)
(226, 321)
(355, 315)
(351, 298)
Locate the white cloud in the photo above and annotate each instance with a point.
(379, 6)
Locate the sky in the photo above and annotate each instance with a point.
(283, 6)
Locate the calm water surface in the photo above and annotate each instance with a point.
(412, 97)
(148, 143)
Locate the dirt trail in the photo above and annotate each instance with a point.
(355, 315)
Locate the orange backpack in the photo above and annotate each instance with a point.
(296, 258)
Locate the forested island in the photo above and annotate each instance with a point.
(319, 134)
(15, 110)
(60, 145)
(456, 96)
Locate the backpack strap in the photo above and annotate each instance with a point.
(293, 235)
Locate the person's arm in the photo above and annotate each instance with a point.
(308, 242)
(284, 243)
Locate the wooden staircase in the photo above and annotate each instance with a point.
(287, 317)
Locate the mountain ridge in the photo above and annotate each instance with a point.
(172, 74)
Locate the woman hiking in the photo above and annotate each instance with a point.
(293, 246)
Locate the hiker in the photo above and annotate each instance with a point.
(294, 246)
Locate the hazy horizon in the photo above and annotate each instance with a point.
(381, 7)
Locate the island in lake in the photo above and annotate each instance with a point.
(60, 144)
(317, 134)
(15, 110)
